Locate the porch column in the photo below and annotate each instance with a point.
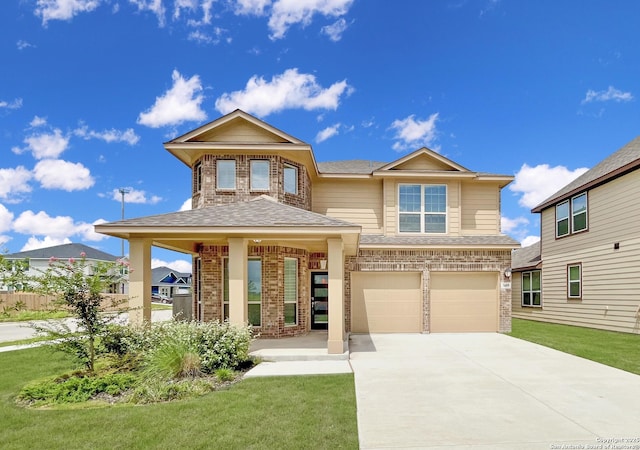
(140, 281)
(336, 342)
(238, 270)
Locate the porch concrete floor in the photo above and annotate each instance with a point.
(310, 347)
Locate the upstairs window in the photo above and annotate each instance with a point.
(290, 179)
(226, 174)
(422, 208)
(197, 177)
(260, 174)
(571, 216)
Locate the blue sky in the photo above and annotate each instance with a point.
(90, 89)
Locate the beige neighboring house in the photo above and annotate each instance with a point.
(585, 271)
(289, 244)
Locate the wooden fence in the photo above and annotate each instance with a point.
(38, 302)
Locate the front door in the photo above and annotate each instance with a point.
(319, 300)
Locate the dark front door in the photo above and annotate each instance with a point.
(319, 300)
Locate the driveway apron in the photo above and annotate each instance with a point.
(487, 391)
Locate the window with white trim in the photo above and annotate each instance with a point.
(574, 281)
(225, 289)
(254, 291)
(422, 208)
(259, 174)
(197, 177)
(290, 291)
(226, 174)
(531, 293)
(290, 179)
(572, 215)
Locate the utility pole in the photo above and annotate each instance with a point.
(123, 191)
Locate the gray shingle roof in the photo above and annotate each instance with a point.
(353, 166)
(628, 157)
(63, 251)
(159, 273)
(259, 212)
(376, 239)
(526, 257)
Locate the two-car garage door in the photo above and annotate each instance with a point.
(391, 302)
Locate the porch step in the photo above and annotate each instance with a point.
(298, 354)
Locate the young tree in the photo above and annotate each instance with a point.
(14, 274)
(81, 288)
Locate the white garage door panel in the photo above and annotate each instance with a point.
(386, 302)
(464, 302)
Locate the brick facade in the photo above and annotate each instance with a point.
(427, 261)
(208, 195)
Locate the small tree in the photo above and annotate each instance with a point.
(80, 287)
(14, 274)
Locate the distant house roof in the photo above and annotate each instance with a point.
(463, 241)
(167, 276)
(526, 258)
(63, 251)
(622, 161)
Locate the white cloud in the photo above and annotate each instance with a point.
(285, 13)
(59, 227)
(63, 9)
(335, 30)
(178, 265)
(286, 91)
(510, 225)
(14, 181)
(193, 7)
(412, 133)
(611, 94)
(154, 6)
(252, 7)
(23, 44)
(128, 136)
(540, 182)
(134, 196)
(529, 240)
(179, 104)
(15, 104)
(34, 243)
(44, 145)
(187, 205)
(59, 174)
(6, 219)
(327, 133)
(38, 121)
(88, 232)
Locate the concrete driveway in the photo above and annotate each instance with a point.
(488, 391)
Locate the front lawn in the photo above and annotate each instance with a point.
(278, 412)
(621, 350)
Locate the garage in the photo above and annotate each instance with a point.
(463, 302)
(386, 302)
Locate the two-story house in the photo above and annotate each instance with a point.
(289, 244)
(586, 269)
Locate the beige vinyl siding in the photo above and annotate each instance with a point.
(391, 203)
(239, 131)
(355, 201)
(480, 208)
(610, 278)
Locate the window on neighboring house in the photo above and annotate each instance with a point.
(571, 215)
(226, 174)
(290, 179)
(260, 174)
(531, 295)
(290, 291)
(422, 208)
(197, 177)
(254, 290)
(574, 281)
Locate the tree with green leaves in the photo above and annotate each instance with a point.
(14, 274)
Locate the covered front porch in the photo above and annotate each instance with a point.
(244, 255)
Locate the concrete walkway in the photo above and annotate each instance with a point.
(487, 391)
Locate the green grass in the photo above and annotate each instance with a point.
(258, 413)
(620, 350)
(26, 315)
(24, 341)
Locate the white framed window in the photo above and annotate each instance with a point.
(422, 208)
(290, 179)
(259, 174)
(226, 174)
(197, 177)
(531, 292)
(574, 281)
(225, 288)
(572, 215)
(290, 291)
(254, 291)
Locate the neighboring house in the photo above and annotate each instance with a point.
(38, 260)
(166, 281)
(289, 244)
(589, 253)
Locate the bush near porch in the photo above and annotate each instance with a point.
(614, 349)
